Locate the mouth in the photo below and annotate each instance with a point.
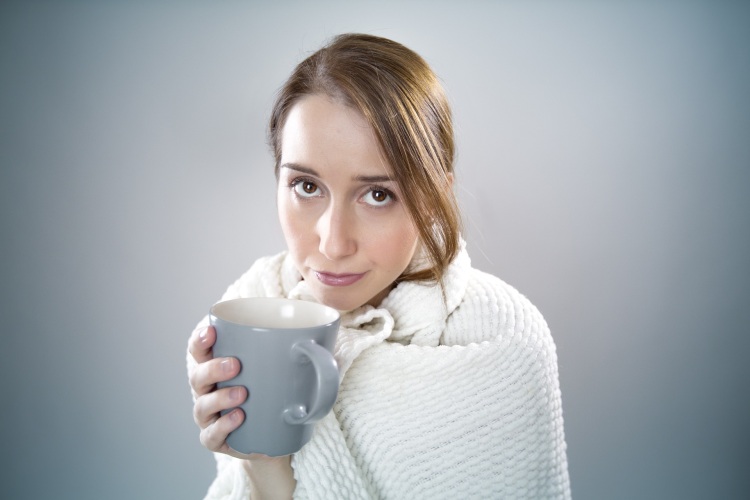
(332, 279)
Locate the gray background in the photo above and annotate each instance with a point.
(603, 166)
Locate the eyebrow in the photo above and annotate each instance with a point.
(359, 178)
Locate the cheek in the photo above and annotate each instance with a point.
(290, 222)
(394, 246)
(297, 225)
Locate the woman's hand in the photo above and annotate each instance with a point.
(270, 477)
(209, 401)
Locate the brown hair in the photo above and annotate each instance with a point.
(400, 96)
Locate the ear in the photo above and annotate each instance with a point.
(450, 177)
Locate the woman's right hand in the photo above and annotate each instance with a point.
(270, 477)
(210, 401)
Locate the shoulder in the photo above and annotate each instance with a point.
(491, 310)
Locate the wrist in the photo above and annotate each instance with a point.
(270, 477)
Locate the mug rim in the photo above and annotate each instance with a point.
(329, 315)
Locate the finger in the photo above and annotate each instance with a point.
(201, 343)
(203, 377)
(214, 436)
(207, 407)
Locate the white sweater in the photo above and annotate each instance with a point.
(453, 396)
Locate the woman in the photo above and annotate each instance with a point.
(449, 385)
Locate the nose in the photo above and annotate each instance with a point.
(337, 232)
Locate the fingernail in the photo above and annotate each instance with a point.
(227, 365)
(203, 336)
(235, 393)
(235, 416)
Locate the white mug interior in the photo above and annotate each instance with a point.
(274, 313)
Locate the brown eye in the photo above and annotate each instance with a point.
(306, 189)
(379, 196)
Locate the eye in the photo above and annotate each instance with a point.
(378, 197)
(305, 188)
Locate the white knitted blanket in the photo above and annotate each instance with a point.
(440, 397)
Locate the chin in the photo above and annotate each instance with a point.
(341, 304)
(338, 299)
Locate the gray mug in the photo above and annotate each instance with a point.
(285, 351)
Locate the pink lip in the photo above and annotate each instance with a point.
(331, 279)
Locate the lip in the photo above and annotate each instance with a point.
(332, 279)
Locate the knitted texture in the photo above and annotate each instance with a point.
(441, 396)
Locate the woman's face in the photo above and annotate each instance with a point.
(340, 210)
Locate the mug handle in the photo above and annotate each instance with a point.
(327, 378)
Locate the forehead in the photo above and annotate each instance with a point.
(321, 132)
